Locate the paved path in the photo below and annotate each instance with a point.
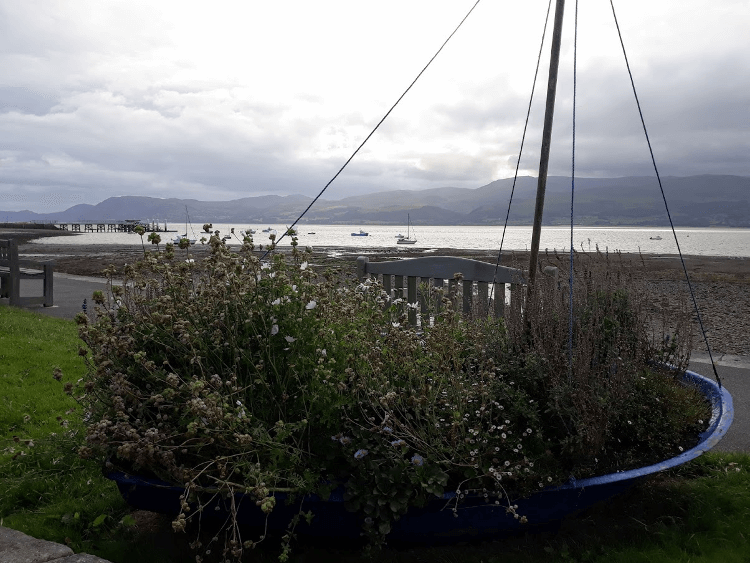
(734, 372)
(69, 293)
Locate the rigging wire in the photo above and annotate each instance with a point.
(572, 194)
(377, 126)
(523, 139)
(664, 197)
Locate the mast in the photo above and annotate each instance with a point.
(549, 113)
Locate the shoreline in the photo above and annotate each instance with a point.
(70, 255)
(721, 284)
(91, 259)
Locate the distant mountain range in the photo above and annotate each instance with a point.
(694, 201)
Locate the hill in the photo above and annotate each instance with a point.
(694, 201)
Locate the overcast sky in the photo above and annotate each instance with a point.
(222, 100)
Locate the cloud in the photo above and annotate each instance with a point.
(166, 99)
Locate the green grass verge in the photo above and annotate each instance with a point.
(46, 490)
(30, 347)
(699, 512)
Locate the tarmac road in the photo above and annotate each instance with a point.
(734, 372)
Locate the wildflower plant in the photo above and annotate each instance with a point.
(258, 374)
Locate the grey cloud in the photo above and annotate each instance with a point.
(95, 109)
(26, 100)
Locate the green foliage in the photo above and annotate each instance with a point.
(241, 374)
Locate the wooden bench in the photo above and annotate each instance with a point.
(434, 271)
(13, 270)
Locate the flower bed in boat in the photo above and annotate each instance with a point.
(475, 517)
(241, 376)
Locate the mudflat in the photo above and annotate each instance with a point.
(721, 284)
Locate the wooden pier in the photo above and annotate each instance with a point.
(126, 226)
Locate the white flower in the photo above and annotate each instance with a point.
(289, 339)
(311, 305)
(276, 301)
(303, 266)
(274, 330)
(189, 261)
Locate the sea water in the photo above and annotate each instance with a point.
(694, 241)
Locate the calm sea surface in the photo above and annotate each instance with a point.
(709, 242)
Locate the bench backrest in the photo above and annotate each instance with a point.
(476, 278)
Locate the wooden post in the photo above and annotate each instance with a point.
(15, 274)
(546, 139)
(49, 297)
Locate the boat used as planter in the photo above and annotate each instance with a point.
(475, 518)
(446, 518)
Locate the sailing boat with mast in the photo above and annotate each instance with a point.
(177, 239)
(407, 239)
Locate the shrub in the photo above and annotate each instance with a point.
(240, 374)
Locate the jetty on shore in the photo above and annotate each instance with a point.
(88, 226)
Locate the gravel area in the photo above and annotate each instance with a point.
(724, 310)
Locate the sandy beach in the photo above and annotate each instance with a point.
(721, 284)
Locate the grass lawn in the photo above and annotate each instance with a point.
(699, 512)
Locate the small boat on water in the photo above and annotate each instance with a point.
(657, 237)
(176, 240)
(361, 233)
(406, 239)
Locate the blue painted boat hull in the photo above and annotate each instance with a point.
(436, 522)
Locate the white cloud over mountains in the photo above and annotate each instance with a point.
(170, 99)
